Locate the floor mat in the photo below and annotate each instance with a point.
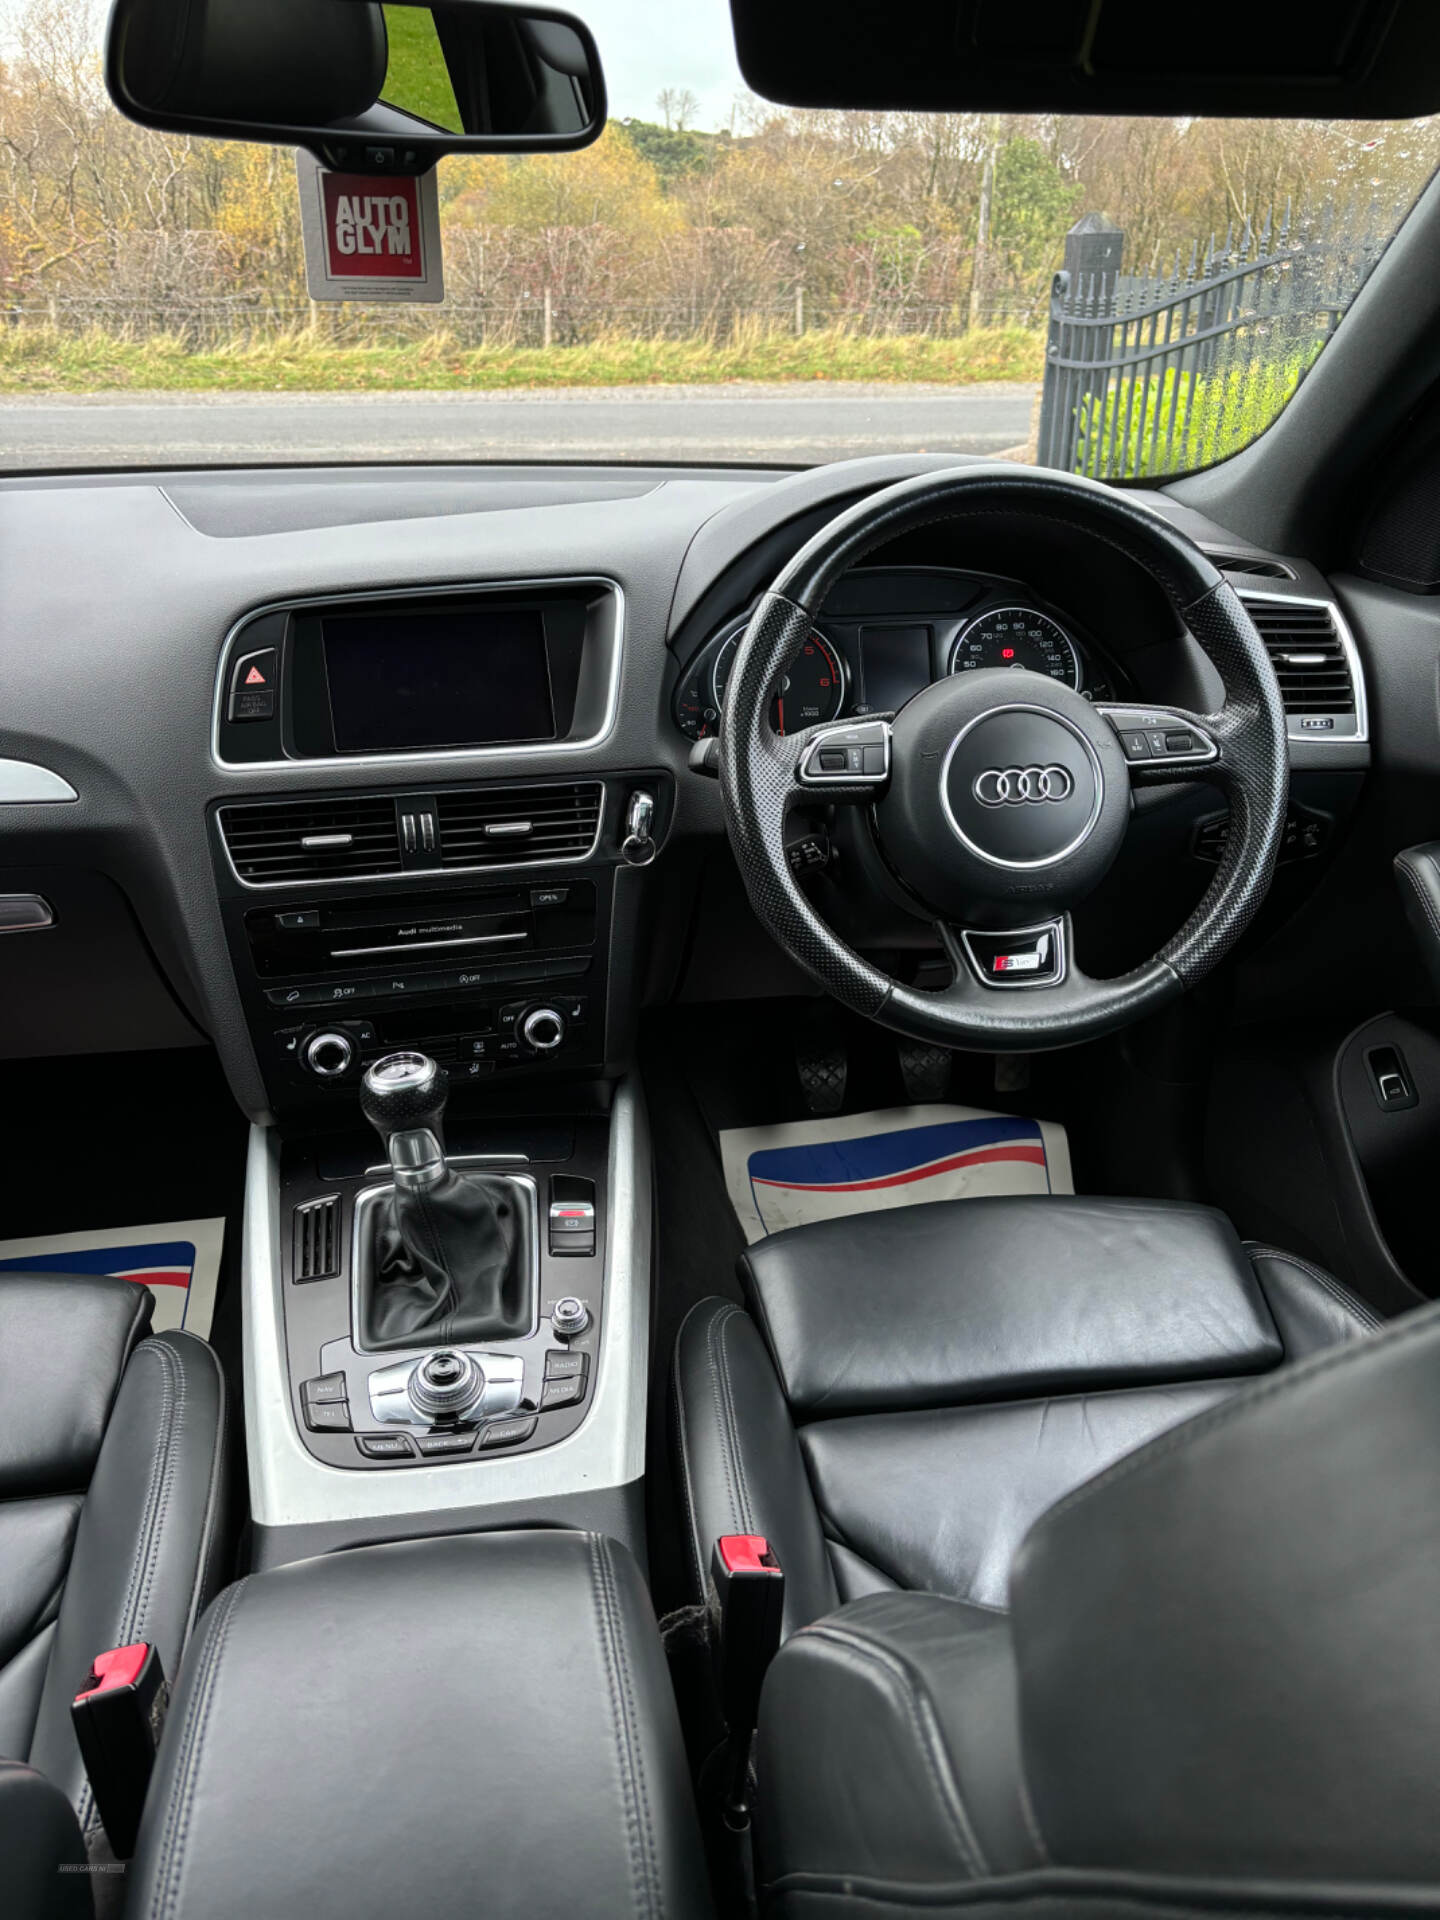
(787, 1176)
(179, 1260)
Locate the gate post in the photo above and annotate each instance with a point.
(1077, 357)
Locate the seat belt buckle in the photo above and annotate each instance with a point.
(118, 1715)
(749, 1585)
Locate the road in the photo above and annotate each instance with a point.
(742, 422)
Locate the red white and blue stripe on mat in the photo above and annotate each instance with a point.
(168, 1263)
(908, 1157)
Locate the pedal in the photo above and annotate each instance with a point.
(823, 1067)
(925, 1071)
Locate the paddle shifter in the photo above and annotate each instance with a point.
(449, 1262)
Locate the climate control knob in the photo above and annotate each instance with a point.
(329, 1054)
(543, 1028)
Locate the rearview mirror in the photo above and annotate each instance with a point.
(366, 87)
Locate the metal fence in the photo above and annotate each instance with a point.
(1154, 375)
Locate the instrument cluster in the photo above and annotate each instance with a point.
(887, 632)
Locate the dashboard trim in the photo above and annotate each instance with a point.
(504, 750)
(24, 783)
(414, 873)
(1293, 730)
(290, 1487)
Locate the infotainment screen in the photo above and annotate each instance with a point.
(446, 679)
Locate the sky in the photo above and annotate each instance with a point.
(649, 44)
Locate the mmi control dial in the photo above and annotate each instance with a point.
(543, 1029)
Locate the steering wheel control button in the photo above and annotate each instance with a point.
(857, 756)
(1155, 734)
(253, 682)
(569, 1317)
(1022, 957)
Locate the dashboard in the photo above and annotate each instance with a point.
(886, 632)
(306, 762)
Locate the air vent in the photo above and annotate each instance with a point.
(317, 1239)
(506, 826)
(1251, 563)
(1308, 655)
(312, 839)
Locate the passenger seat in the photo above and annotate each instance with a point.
(112, 1496)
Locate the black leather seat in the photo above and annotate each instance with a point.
(1217, 1690)
(916, 1387)
(112, 1488)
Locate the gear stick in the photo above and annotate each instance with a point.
(450, 1260)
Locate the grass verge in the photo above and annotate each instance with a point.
(43, 360)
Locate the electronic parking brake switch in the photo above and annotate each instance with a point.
(117, 1716)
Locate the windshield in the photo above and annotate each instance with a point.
(716, 279)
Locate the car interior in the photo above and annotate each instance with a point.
(877, 1354)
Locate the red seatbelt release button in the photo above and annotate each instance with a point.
(118, 1715)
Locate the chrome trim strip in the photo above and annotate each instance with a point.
(289, 1487)
(994, 859)
(424, 946)
(25, 784)
(1293, 728)
(25, 913)
(443, 754)
(415, 873)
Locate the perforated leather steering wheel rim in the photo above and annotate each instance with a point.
(759, 782)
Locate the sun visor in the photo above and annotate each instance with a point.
(1327, 59)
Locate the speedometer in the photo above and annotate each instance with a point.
(1017, 637)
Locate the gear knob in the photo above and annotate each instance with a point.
(404, 1094)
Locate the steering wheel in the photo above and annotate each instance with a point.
(999, 799)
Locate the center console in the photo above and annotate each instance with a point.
(481, 1722)
(477, 1343)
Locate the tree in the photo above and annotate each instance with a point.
(678, 107)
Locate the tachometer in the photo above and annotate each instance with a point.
(1017, 637)
(813, 691)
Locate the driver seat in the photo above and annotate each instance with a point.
(912, 1389)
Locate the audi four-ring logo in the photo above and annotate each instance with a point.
(1022, 786)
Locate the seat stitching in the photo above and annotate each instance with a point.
(729, 1428)
(177, 1816)
(687, 1489)
(1282, 1381)
(747, 1511)
(1338, 1291)
(635, 1731)
(619, 1720)
(137, 1588)
(1406, 867)
(209, 1530)
(915, 1703)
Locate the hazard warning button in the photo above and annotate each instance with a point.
(252, 686)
